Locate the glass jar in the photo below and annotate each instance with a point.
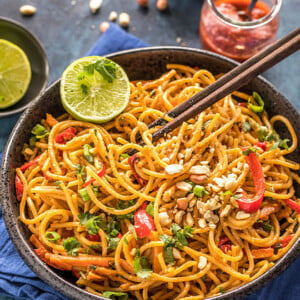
(225, 27)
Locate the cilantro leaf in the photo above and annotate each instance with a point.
(188, 231)
(141, 266)
(92, 223)
(113, 295)
(105, 67)
(39, 131)
(72, 245)
(84, 89)
(262, 133)
(112, 242)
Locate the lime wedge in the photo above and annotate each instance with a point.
(15, 73)
(94, 89)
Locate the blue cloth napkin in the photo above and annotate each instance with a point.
(17, 280)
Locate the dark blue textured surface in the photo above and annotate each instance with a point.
(69, 36)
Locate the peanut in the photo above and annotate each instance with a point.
(198, 179)
(182, 203)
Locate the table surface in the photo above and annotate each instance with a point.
(68, 30)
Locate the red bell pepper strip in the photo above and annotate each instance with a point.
(29, 164)
(285, 241)
(100, 174)
(262, 145)
(19, 187)
(93, 237)
(225, 244)
(143, 223)
(66, 135)
(245, 203)
(293, 205)
(243, 104)
(132, 160)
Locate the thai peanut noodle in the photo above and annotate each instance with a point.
(226, 247)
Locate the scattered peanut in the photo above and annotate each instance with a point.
(202, 223)
(241, 215)
(189, 219)
(198, 179)
(168, 194)
(164, 218)
(230, 184)
(113, 16)
(200, 170)
(95, 5)
(133, 252)
(124, 19)
(173, 169)
(27, 10)
(225, 211)
(176, 253)
(202, 262)
(182, 203)
(178, 217)
(184, 186)
(104, 26)
(162, 4)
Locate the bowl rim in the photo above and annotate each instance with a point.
(68, 289)
(39, 45)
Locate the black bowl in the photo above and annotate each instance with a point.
(16, 33)
(147, 63)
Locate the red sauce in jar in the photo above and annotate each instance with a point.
(236, 42)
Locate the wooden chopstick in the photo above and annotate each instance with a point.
(231, 81)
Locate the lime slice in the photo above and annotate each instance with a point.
(94, 89)
(15, 73)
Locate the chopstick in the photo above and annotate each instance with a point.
(231, 81)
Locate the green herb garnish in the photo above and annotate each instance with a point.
(72, 245)
(39, 131)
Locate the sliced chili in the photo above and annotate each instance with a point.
(30, 163)
(66, 135)
(100, 174)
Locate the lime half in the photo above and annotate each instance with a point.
(94, 89)
(15, 73)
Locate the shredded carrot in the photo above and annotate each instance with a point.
(105, 271)
(93, 276)
(51, 120)
(262, 252)
(80, 261)
(285, 241)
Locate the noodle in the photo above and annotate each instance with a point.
(79, 198)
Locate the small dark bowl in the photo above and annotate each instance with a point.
(147, 63)
(16, 33)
